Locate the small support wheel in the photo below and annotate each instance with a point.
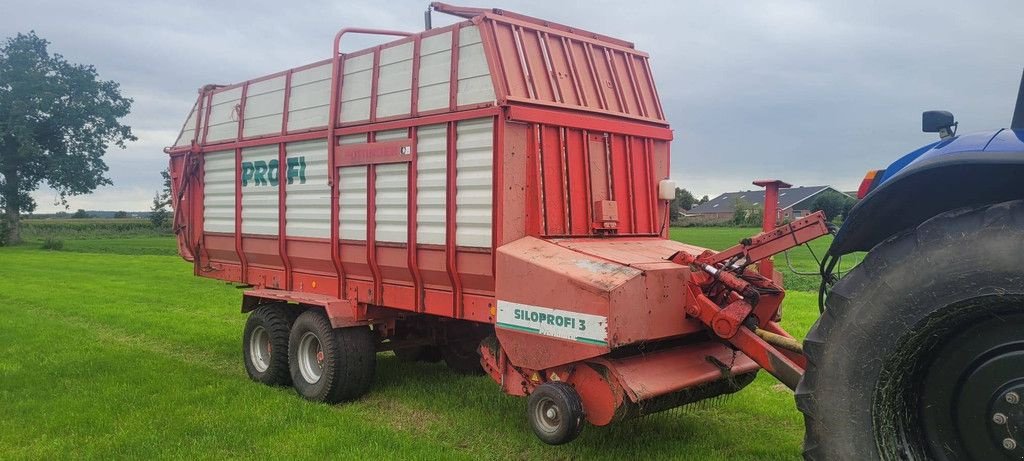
(327, 364)
(555, 413)
(265, 345)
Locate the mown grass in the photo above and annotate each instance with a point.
(129, 356)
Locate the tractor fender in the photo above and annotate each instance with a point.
(937, 180)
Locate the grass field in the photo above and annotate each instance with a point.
(107, 351)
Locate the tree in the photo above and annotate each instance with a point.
(121, 215)
(684, 201)
(158, 214)
(834, 204)
(746, 214)
(703, 200)
(165, 196)
(81, 214)
(57, 119)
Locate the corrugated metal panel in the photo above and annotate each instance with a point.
(188, 131)
(474, 163)
(392, 203)
(435, 71)
(264, 104)
(431, 175)
(355, 88)
(575, 71)
(310, 96)
(474, 76)
(394, 81)
(219, 191)
(223, 116)
(260, 175)
(352, 202)
(308, 191)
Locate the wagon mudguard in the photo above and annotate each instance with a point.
(967, 170)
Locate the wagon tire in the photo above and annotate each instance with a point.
(921, 346)
(265, 345)
(327, 364)
(463, 357)
(555, 412)
(427, 353)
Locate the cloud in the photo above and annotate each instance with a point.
(812, 92)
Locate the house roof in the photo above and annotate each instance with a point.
(726, 202)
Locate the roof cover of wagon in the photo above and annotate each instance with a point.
(540, 62)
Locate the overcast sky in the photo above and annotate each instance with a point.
(811, 92)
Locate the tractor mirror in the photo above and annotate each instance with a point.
(934, 121)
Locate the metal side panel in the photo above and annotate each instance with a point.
(264, 107)
(260, 175)
(431, 178)
(352, 202)
(219, 191)
(394, 81)
(435, 71)
(223, 123)
(355, 88)
(310, 96)
(474, 76)
(474, 163)
(392, 203)
(308, 193)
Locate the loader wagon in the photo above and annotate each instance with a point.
(493, 194)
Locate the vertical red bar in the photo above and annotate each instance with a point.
(415, 93)
(498, 143)
(451, 242)
(453, 76)
(411, 238)
(374, 83)
(282, 192)
(334, 108)
(238, 187)
(371, 233)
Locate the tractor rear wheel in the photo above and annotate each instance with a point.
(920, 351)
(327, 364)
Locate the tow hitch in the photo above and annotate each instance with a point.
(740, 305)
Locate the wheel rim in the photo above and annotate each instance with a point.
(964, 398)
(310, 357)
(547, 415)
(260, 349)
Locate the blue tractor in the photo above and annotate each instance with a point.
(919, 352)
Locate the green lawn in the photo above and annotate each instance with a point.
(130, 356)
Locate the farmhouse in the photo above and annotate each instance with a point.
(794, 202)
